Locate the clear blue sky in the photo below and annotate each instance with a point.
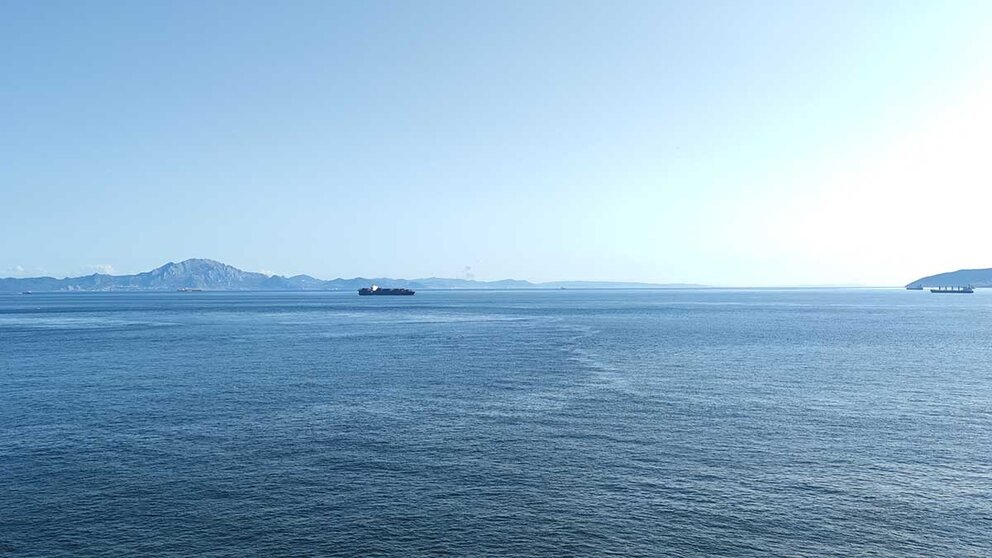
(726, 143)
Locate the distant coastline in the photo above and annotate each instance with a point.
(977, 278)
(212, 275)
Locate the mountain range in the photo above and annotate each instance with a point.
(216, 276)
(960, 278)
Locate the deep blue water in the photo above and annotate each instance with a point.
(563, 423)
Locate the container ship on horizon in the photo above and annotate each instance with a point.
(376, 290)
(953, 290)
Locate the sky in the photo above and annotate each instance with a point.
(725, 143)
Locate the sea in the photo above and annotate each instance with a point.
(794, 422)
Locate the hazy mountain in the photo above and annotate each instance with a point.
(959, 278)
(217, 276)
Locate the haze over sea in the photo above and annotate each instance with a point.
(593, 423)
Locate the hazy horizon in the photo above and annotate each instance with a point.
(721, 144)
(469, 277)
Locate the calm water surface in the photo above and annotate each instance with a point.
(638, 423)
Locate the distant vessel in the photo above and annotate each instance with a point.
(189, 290)
(953, 290)
(26, 292)
(376, 290)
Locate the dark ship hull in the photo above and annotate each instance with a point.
(376, 291)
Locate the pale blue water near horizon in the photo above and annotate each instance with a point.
(538, 423)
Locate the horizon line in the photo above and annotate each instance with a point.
(640, 283)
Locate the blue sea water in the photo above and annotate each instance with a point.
(538, 423)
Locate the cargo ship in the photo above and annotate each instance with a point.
(953, 290)
(376, 290)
